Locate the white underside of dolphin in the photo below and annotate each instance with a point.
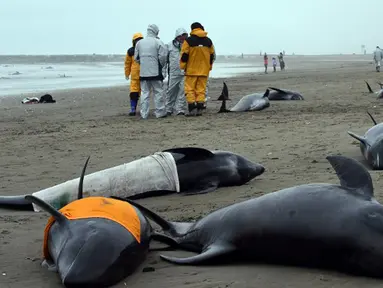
(250, 102)
(153, 172)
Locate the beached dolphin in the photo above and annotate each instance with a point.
(202, 171)
(186, 170)
(94, 241)
(318, 225)
(378, 93)
(371, 144)
(251, 102)
(281, 94)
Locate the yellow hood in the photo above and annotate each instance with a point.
(198, 32)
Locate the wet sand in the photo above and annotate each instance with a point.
(45, 144)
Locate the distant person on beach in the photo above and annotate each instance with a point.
(151, 54)
(175, 94)
(281, 61)
(274, 64)
(378, 56)
(265, 62)
(197, 57)
(132, 69)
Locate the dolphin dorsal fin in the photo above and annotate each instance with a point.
(368, 87)
(279, 90)
(81, 184)
(372, 118)
(190, 153)
(59, 217)
(224, 94)
(352, 175)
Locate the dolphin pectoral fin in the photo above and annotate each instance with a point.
(81, 184)
(357, 137)
(372, 118)
(203, 187)
(369, 87)
(49, 265)
(59, 217)
(211, 253)
(352, 174)
(279, 90)
(191, 153)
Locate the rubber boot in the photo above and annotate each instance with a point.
(191, 107)
(133, 106)
(199, 109)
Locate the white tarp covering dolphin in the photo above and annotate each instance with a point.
(159, 172)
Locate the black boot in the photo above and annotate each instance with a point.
(191, 107)
(199, 109)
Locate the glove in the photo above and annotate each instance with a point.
(127, 78)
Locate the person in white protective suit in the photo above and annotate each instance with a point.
(378, 57)
(151, 54)
(175, 96)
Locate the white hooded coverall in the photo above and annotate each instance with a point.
(175, 96)
(378, 57)
(151, 54)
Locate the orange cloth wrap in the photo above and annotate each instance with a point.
(98, 207)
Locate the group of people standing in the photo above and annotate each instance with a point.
(274, 62)
(187, 61)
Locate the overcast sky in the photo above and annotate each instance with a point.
(239, 26)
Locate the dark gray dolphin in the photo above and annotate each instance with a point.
(202, 171)
(328, 226)
(280, 94)
(98, 250)
(379, 94)
(251, 102)
(371, 144)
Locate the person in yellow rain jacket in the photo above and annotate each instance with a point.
(132, 69)
(197, 57)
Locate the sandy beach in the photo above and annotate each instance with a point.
(46, 144)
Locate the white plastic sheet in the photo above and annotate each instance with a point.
(154, 172)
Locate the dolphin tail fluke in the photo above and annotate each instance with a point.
(352, 174)
(357, 137)
(60, 218)
(224, 94)
(372, 118)
(279, 90)
(15, 203)
(223, 109)
(81, 184)
(266, 95)
(369, 87)
(212, 253)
